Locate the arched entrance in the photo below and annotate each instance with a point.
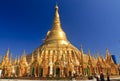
(88, 71)
(17, 71)
(65, 72)
(33, 70)
(58, 72)
(36, 71)
(70, 73)
(41, 72)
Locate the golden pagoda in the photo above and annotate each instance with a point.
(57, 57)
(56, 53)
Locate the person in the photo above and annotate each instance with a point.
(94, 79)
(108, 77)
(102, 77)
(97, 77)
(0, 73)
(74, 77)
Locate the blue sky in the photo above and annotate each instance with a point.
(93, 23)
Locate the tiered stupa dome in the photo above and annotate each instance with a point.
(56, 50)
(56, 44)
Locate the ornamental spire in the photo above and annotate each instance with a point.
(32, 58)
(6, 58)
(56, 35)
(7, 54)
(38, 55)
(10, 60)
(81, 49)
(56, 22)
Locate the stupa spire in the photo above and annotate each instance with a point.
(6, 58)
(7, 54)
(32, 58)
(81, 49)
(56, 21)
(56, 34)
(10, 60)
(24, 56)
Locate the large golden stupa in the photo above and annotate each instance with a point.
(57, 57)
(56, 51)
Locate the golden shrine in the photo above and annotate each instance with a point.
(57, 57)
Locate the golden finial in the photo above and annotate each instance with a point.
(81, 49)
(24, 56)
(56, 7)
(107, 50)
(24, 53)
(88, 52)
(7, 54)
(107, 53)
(56, 17)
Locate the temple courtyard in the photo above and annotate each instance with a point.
(112, 78)
(116, 79)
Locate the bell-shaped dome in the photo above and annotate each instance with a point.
(56, 49)
(56, 35)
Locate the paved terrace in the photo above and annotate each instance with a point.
(113, 78)
(117, 79)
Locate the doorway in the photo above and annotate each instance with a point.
(58, 72)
